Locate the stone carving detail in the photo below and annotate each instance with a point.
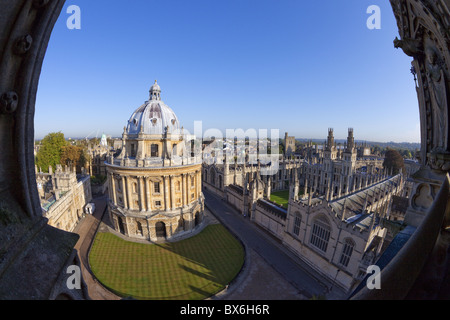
(423, 197)
(8, 102)
(438, 96)
(439, 161)
(424, 30)
(411, 47)
(23, 45)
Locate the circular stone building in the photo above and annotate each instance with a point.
(155, 180)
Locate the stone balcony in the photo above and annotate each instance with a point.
(154, 163)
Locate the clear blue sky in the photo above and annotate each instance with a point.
(293, 65)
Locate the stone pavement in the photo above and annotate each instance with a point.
(86, 229)
(259, 281)
(279, 262)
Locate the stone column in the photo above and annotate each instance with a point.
(189, 187)
(166, 193)
(183, 189)
(198, 184)
(141, 194)
(124, 193)
(130, 199)
(147, 194)
(172, 193)
(113, 189)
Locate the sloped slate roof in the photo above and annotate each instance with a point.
(354, 203)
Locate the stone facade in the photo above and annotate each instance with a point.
(343, 196)
(64, 195)
(289, 145)
(154, 183)
(341, 237)
(98, 156)
(332, 170)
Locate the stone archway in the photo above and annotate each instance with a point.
(160, 230)
(120, 225)
(197, 219)
(26, 26)
(424, 28)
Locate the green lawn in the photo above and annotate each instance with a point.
(191, 269)
(282, 197)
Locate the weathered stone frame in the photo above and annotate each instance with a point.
(33, 255)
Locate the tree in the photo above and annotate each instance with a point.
(74, 156)
(49, 153)
(393, 160)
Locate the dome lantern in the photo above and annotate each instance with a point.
(155, 91)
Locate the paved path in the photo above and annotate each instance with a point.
(86, 229)
(271, 272)
(300, 276)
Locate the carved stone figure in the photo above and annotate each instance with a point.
(411, 47)
(438, 94)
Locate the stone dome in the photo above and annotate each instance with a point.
(153, 117)
(155, 87)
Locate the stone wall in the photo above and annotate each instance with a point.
(68, 210)
(270, 218)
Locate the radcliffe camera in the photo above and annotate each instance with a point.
(224, 158)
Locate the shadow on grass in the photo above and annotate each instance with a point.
(194, 268)
(204, 275)
(201, 292)
(217, 253)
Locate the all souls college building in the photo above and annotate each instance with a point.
(155, 181)
(336, 224)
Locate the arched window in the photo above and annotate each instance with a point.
(154, 150)
(320, 234)
(121, 226)
(347, 251)
(160, 228)
(139, 230)
(297, 222)
(196, 219)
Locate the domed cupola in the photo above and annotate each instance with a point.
(154, 182)
(155, 91)
(154, 116)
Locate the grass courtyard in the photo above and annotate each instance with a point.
(282, 197)
(190, 269)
